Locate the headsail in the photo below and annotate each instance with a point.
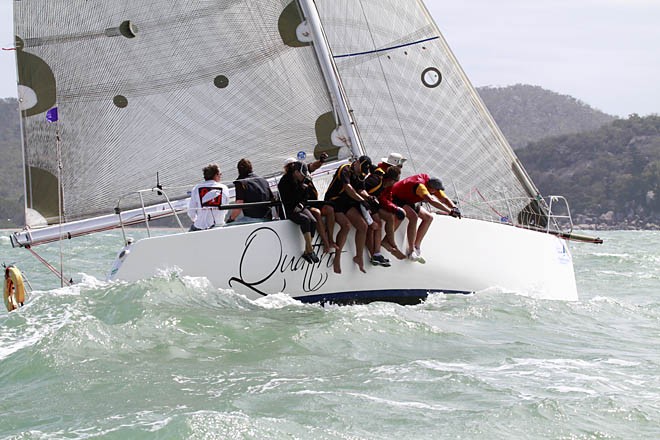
(407, 93)
(160, 87)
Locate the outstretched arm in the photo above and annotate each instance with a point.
(437, 203)
(444, 203)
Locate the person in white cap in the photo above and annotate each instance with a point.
(394, 160)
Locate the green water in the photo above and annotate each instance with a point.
(177, 358)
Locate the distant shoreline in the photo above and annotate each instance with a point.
(616, 227)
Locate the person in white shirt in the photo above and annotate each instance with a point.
(206, 198)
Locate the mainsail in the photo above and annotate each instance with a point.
(159, 87)
(407, 93)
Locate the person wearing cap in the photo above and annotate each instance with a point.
(294, 199)
(408, 194)
(346, 193)
(393, 160)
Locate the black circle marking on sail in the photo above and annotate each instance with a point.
(431, 77)
(120, 101)
(128, 29)
(221, 81)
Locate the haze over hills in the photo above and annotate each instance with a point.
(528, 113)
(608, 168)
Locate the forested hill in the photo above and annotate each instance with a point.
(528, 113)
(611, 176)
(11, 165)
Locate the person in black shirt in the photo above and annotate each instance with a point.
(347, 194)
(293, 194)
(250, 188)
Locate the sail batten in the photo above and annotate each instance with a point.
(385, 49)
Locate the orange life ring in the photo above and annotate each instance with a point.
(14, 292)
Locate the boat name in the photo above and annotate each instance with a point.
(272, 273)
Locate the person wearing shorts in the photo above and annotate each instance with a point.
(409, 193)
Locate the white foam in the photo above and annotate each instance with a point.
(277, 301)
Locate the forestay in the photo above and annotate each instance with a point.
(407, 93)
(160, 87)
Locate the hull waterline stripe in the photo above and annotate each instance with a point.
(412, 296)
(385, 49)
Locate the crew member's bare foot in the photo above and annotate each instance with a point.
(394, 251)
(336, 263)
(398, 254)
(360, 263)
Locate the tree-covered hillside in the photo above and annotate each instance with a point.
(529, 113)
(610, 175)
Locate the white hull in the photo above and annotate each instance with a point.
(462, 256)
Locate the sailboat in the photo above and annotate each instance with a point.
(122, 104)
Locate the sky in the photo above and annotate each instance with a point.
(605, 53)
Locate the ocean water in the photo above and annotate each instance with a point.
(176, 358)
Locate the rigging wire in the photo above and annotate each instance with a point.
(50, 267)
(59, 191)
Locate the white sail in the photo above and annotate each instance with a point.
(407, 93)
(160, 87)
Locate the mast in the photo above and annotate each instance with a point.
(330, 73)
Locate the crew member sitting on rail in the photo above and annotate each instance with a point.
(206, 199)
(319, 209)
(409, 193)
(346, 192)
(293, 194)
(250, 188)
(380, 184)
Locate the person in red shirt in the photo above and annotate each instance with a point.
(379, 183)
(408, 194)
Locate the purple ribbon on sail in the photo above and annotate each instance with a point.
(51, 115)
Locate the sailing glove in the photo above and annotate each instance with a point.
(455, 212)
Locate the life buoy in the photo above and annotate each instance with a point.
(14, 294)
